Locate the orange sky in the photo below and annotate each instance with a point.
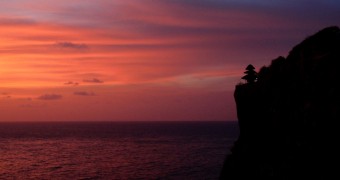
(140, 60)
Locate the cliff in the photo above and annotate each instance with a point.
(289, 117)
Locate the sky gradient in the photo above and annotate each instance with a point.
(120, 60)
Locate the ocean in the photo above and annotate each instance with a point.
(114, 150)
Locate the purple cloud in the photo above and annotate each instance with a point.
(71, 83)
(26, 106)
(84, 93)
(16, 21)
(50, 97)
(94, 80)
(71, 45)
(6, 95)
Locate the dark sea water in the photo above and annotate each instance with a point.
(114, 150)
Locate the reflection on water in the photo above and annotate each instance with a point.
(156, 150)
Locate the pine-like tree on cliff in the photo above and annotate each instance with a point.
(251, 74)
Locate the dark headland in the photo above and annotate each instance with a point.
(289, 115)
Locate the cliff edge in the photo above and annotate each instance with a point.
(289, 116)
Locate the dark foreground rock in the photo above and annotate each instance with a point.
(289, 117)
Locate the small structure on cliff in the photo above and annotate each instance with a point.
(251, 74)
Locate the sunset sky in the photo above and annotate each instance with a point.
(120, 60)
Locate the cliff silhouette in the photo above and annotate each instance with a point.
(289, 116)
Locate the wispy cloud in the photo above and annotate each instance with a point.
(5, 95)
(50, 97)
(71, 45)
(94, 80)
(72, 83)
(8, 21)
(84, 93)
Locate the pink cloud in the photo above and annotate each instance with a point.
(71, 45)
(50, 97)
(84, 93)
(94, 80)
(71, 83)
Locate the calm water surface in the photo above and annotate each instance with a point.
(114, 150)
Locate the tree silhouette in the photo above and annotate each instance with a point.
(251, 74)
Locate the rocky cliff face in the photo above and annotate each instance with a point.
(289, 118)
